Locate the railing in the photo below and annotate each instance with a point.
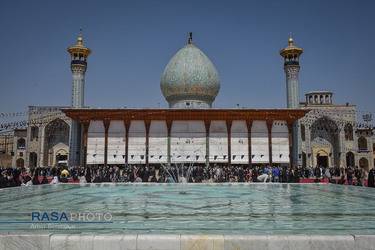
(78, 62)
(291, 63)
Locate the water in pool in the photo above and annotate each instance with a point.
(204, 209)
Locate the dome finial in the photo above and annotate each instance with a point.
(190, 37)
(80, 36)
(290, 39)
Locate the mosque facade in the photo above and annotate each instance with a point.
(190, 131)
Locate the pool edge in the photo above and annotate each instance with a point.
(184, 241)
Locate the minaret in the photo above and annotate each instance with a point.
(291, 56)
(78, 65)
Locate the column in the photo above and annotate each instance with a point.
(269, 127)
(229, 126)
(169, 127)
(85, 129)
(249, 124)
(106, 127)
(207, 124)
(127, 126)
(147, 125)
(290, 129)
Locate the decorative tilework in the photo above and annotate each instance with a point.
(190, 75)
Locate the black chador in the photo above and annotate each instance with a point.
(371, 176)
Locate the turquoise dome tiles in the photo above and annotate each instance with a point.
(190, 76)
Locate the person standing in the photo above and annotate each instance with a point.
(350, 175)
(275, 174)
(363, 176)
(370, 179)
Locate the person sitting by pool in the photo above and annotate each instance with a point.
(55, 180)
(82, 179)
(268, 172)
(44, 180)
(263, 177)
(63, 178)
(332, 181)
(153, 178)
(170, 179)
(36, 180)
(198, 179)
(138, 179)
(317, 180)
(342, 180)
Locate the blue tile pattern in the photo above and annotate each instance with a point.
(190, 75)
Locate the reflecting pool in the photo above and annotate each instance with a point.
(204, 209)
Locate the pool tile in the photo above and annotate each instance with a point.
(26, 241)
(158, 241)
(72, 242)
(364, 241)
(115, 242)
(251, 242)
(202, 241)
(289, 242)
(328, 242)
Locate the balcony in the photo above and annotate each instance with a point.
(291, 63)
(75, 62)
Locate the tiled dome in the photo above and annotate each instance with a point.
(190, 79)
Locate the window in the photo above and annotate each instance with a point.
(362, 143)
(348, 132)
(303, 134)
(20, 143)
(34, 133)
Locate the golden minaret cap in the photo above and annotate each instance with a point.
(79, 51)
(291, 50)
(80, 36)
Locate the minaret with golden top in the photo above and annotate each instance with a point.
(78, 65)
(291, 56)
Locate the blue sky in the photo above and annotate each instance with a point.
(133, 41)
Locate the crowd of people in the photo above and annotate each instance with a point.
(11, 177)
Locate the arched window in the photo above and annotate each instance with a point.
(350, 159)
(21, 143)
(20, 163)
(363, 162)
(348, 132)
(34, 133)
(321, 99)
(310, 99)
(303, 134)
(362, 143)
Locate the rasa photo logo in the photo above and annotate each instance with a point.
(65, 220)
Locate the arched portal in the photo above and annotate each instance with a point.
(325, 134)
(362, 143)
(57, 131)
(20, 163)
(348, 132)
(304, 159)
(363, 162)
(34, 134)
(21, 143)
(350, 159)
(33, 159)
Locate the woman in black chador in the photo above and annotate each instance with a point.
(371, 176)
